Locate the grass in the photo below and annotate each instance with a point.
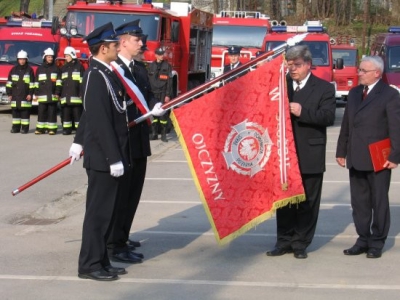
(7, 6)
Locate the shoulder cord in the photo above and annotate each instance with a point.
(118, 107)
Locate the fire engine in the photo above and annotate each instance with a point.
(22, 32)
(237, 28)
(184, 33)
(387, 46)
(345, 53)
(317, 40)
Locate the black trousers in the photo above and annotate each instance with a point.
(296, 224)
(370, 202)
(128, 201)
(71, 114)
(101, 200)
(20, 118)
(47, 117)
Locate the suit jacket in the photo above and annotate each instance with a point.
(105, 131)
(370, 120)
(317, 99)
(138, 134)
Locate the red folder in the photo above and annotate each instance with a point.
(379, 153)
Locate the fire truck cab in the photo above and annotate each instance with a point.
(21, 32)
(245, 29)
(387, 46)
(345, 53)
(185, 33)
(317, 40)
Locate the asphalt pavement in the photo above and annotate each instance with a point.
(40, 231)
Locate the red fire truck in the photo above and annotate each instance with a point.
(186, 35)
(237, 28)
(344, 52)
(387, 46)
(318, 41)
(21, 32)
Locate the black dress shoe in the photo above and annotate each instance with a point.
(278, 251)
(355, 250)
(134, 243)
(100, 275)
(115, 270)
(140, 255)
(300, 253)
(374, 253)
(127, 257)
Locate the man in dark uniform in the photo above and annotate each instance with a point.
(234, 56)
(119, 245)
(312, 108)
(234, 62)
(106, 154)
(47, 93)
(160, 75)
(19, 88)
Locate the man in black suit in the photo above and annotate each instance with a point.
(106, 154)
(372, 114)
(312, 107)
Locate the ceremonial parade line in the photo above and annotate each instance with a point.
(213, 283)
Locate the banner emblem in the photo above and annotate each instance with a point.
(247, 148)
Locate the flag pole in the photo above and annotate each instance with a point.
(42, 176)
(215, 83)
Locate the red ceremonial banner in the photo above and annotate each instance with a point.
(239, 144)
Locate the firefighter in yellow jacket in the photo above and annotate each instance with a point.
(71, 100)
(47, 93)
(19, 89)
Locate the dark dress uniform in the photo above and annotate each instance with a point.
(133, 180)
(71, 96)
(161, 85)
(20, 84)
(233, 51)
(47, 91)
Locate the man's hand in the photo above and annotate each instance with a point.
(295, 108)
(29, 97)
(341, 161)
(75, 152)
(167, 99)
(117, 169)
(157, 111)
(390, 165)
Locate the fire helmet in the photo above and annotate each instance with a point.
(48, 51)
(22, 54)
(70, 51)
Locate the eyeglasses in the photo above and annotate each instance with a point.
(295, 66)
(365, 71)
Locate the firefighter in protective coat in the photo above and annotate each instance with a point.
(160, 75)
(47, 93)
(19, 88)
(71, 101)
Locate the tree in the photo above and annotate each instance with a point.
(24, 6)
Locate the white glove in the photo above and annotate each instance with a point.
(117, 169)
(75, 152)
(157, 111)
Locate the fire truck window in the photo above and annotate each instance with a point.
(394, 58)
(11, 52)
(175, 31)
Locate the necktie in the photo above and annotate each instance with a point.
(365, 91)
(132, 70)
(298, 86)
(232, 66)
